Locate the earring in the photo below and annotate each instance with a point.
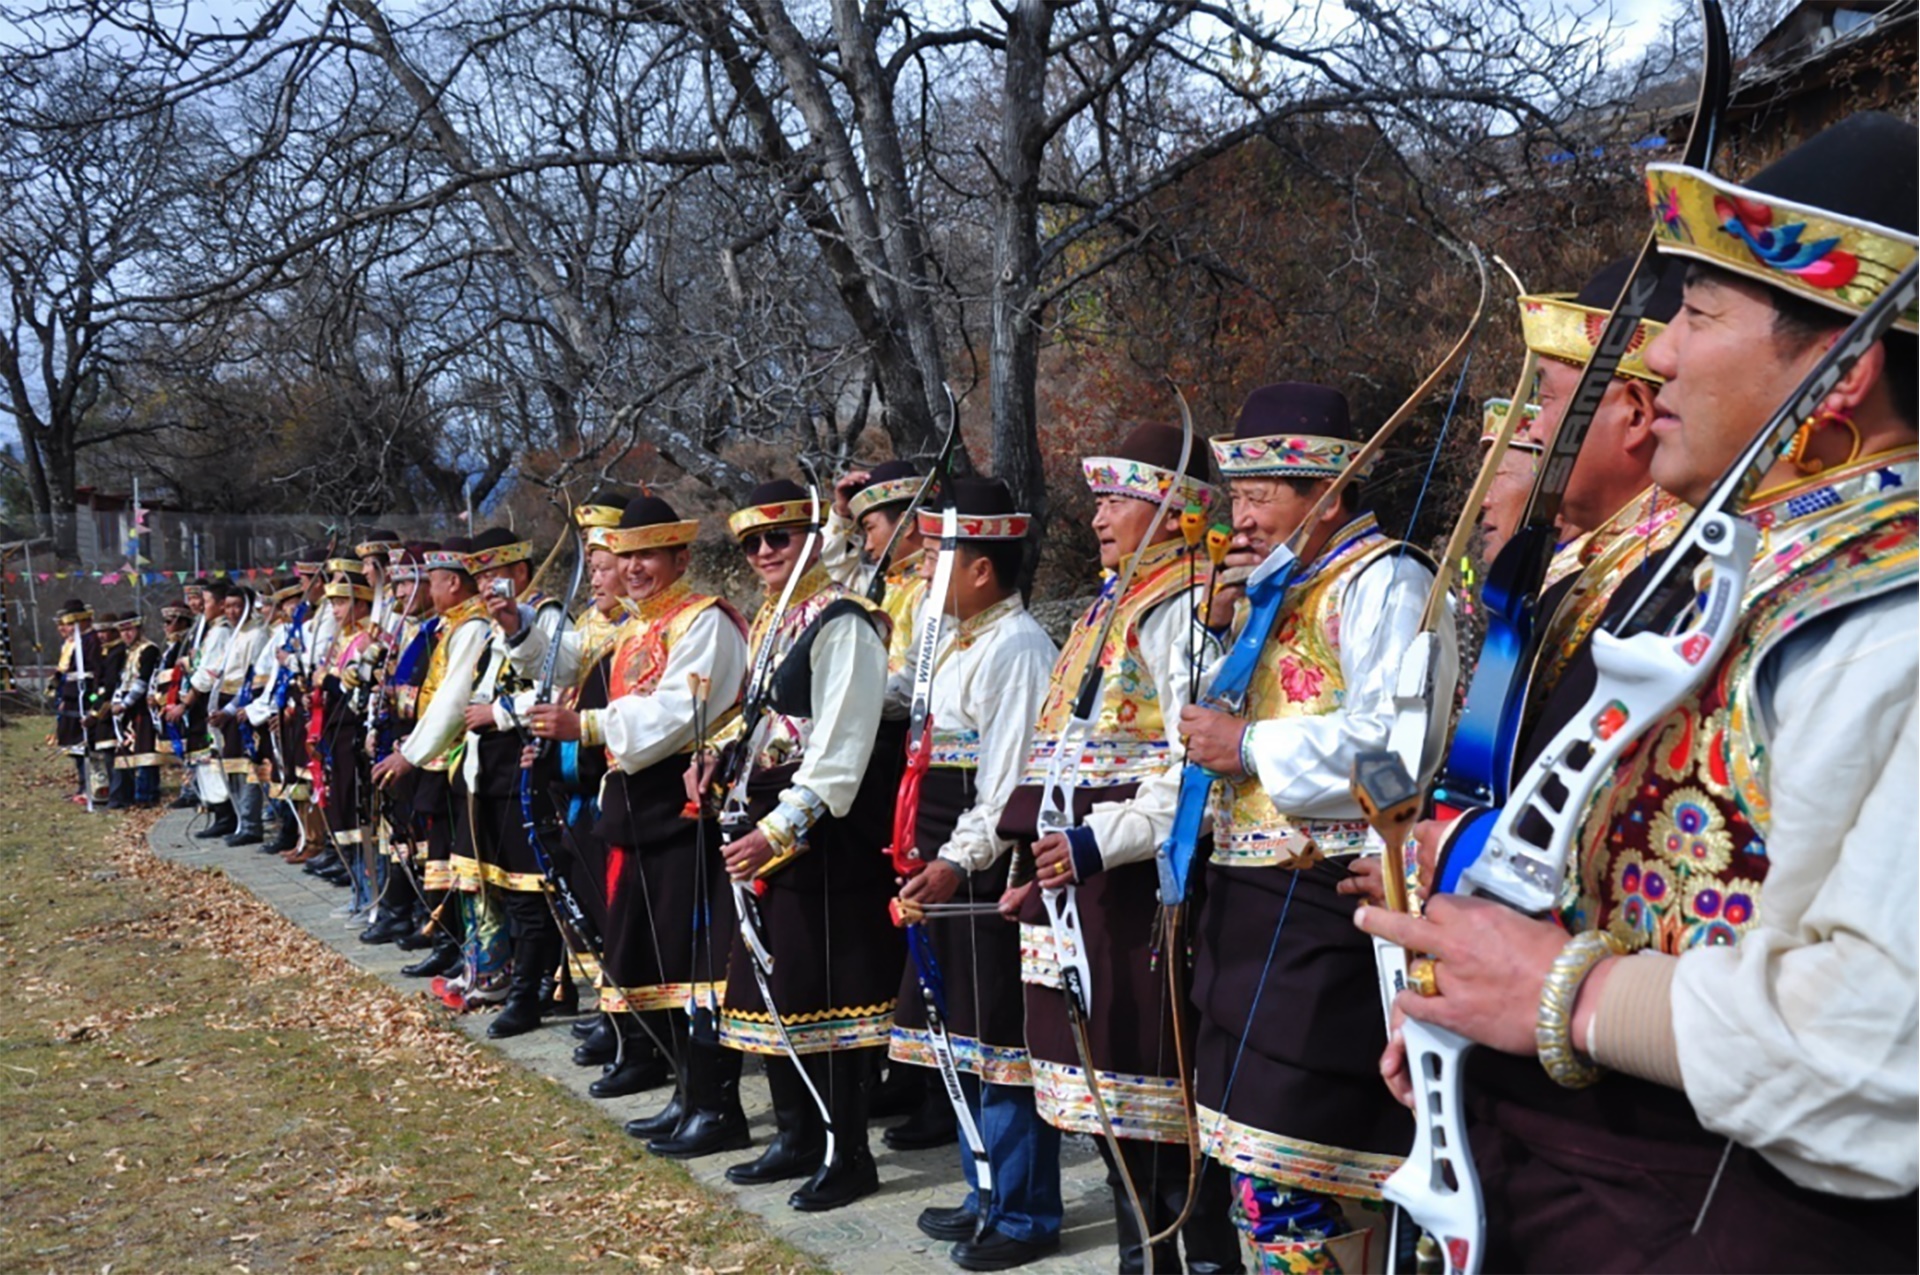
(1803, 438)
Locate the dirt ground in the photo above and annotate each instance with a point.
(191, 1084)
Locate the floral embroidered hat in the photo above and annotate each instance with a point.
(890, 483)
(1145, 463)
(1568, 326)
(1294, 429)
(1832, 220)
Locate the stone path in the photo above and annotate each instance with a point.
(877, 1234)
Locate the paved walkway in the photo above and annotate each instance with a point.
(877, 1234)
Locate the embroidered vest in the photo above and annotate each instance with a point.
(660, 622)
(905, 588)
(600, 634)
(1128, 740)
(1599, 561)
(1673, 848)
(784, 736)
(1299, 675)
(473, 609)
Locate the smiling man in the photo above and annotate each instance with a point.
(1742, 1086)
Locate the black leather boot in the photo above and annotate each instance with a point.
(224, 822)
(1133, 1258)
(387, 927)
(640, 1066)
(851, 1174)
(531, 928)
(443, 959)
(933, 1125)
(899, 1090)
(286, 838)
(1210, 1240)
(714, 1121)
(601, 1044)
(799, 1140)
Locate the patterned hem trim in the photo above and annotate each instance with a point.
(664, 995)
(828, 1031)
(236, 766)
(1288, 846)
(1313, 1165)
(995, 1064)
(1039, 966)
(585, 967)
(1103, 763)
(469, 875)
(135, 761)
(1145, 1108)
(436, 875)
(351, 837)
(295, 792)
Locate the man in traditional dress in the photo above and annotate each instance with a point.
(344, 676)
(1125, 784)
(113, 658)
(208, 665)
(1290, 1026)
(401, 909)
(1506, 499)
(1740, 1094)
(810, 793)
(496, 863)
(177, 621)
(81, 693)
(663, 891)
(139, 755)
(988, 676)
(437, 737)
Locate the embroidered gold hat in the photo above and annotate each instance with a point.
(1567, 326)
(649, 522)
(1146, 463)
(983, 509)
(73, 611)
(449, 555)
(348, 587)
(890, 483)
(1494, 416)
(311, 560)
(1831, 221)
(780, 503)
(497, 547)
(1294, 429)
(345, 567)
(377, 544)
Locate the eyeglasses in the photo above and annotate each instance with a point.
(775, 540)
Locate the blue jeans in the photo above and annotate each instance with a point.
(1024, 1152)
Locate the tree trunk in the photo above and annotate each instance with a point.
(1015, 345)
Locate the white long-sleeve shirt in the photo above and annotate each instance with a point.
(1305, 763)
(642, 730)
(443, 722)
(990, 678)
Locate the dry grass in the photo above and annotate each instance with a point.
(190, 1083)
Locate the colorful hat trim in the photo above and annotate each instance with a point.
(1284, 455)
(345, 589)
(893, 491)
(447, 560)
(1494, 417)
(1556, 327)
(345, 567)
(658, 535)
(288, 594)
(375, 548)
(1116, 476)
(501, 556)
(590, 516)
(978, 526)
(784, 514)
(68, 617)
(1839, 262)
(308, 568)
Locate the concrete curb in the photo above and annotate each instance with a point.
(877, 1234)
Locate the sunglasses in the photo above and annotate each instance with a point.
(775, 540)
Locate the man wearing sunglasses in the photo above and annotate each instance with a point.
(820, 773)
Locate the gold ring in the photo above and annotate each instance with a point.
(1423, 975)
